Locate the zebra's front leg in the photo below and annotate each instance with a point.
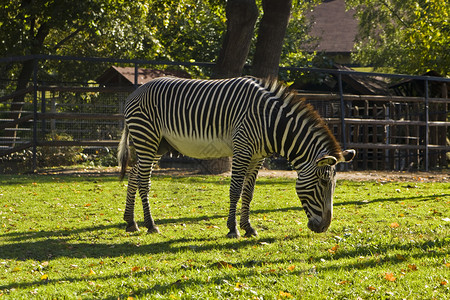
(128, 216)
(247, 196)
(238, 170)
(231, 222)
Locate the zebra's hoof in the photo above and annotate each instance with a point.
(250, 233)
(233, 235)
(132, 227)
(153, 229)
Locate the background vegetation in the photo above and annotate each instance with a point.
(63, 237)
(406, 36)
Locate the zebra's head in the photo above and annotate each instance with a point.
(315, 188)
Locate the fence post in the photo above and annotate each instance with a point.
(427, 127)
(136, 75)
(43, 110)
(35, 112)
(343, 134)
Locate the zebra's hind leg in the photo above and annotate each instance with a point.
(144, 172)
(247, 196)
(128, 216)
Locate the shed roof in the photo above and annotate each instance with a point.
(358, 85)
(124, 76)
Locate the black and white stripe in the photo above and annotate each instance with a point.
(246, 118)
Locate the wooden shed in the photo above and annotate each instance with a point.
(125, 76)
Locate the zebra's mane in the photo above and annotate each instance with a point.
(292, 99)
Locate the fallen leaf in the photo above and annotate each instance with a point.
(238, 286)
(444, 282)
(16, 269)
(447, 265)
(44, 277)
(412, 267)
(390, 277)
(285, 294)
(291, 268)
(224, 265)
(343, 282)
(135, 269)
(394, 225)
(371, 288)
(91, 272)
(87, 205)
(333, 249)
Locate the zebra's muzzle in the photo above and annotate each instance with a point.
(318, 224)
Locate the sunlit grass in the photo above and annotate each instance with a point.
(63, 237)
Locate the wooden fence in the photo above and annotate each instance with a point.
(388, 132)
(391, 132)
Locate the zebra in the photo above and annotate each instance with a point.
(246, 118)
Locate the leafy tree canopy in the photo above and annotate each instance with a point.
(410, 36)
(186, 30)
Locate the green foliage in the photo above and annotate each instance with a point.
(184, 30)
(57, 156)
(63, 237)
(46, 156)
(297, 36)
(188, 30)
(410, 36)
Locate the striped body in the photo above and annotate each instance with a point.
(246, 118)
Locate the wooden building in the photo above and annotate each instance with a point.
(125, 76)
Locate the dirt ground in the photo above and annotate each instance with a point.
(381, 176)
(375, 175)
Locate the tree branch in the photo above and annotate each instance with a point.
(64, 40)
(394, 13)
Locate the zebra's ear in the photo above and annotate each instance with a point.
(326, 160)
(348, 155)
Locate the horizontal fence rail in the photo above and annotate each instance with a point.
(389, 132)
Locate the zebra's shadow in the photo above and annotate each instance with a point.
(111, 241)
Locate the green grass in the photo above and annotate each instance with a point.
(63, 237)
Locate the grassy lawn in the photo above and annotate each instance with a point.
(63, 237)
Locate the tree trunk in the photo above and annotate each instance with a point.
(270, 38)
(241, 19)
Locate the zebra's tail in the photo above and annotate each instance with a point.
(123, 153)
